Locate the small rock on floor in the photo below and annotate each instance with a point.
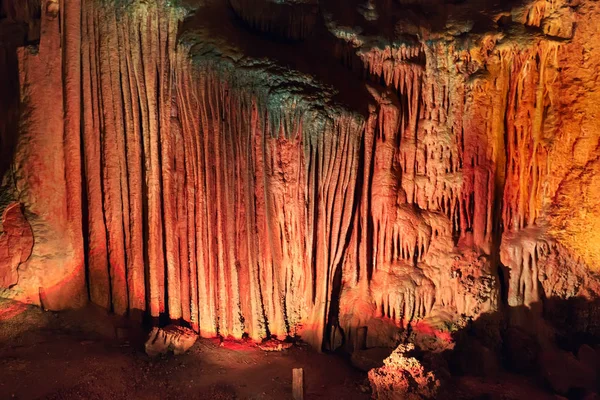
(171, 338)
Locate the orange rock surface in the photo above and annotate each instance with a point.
(380, 169)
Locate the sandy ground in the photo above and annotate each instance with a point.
(89, 354)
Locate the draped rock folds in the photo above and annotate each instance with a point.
(377, 173)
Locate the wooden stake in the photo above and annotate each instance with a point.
(297, 384)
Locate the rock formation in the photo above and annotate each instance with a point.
(171, 338)
(15, 244)
(403, 377)
(335, 170)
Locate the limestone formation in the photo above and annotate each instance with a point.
(15, 244)
(171, 338)
(403, 377)
(345, 172)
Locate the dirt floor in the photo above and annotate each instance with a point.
(88, 354)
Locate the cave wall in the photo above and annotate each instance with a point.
(171, 162)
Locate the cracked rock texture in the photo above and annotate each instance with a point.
(338, 170)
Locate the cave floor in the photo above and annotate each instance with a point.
(88, 354)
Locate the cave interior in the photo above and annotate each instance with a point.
(406, 189)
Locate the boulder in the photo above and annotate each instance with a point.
(403, 377)
(171, 338)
